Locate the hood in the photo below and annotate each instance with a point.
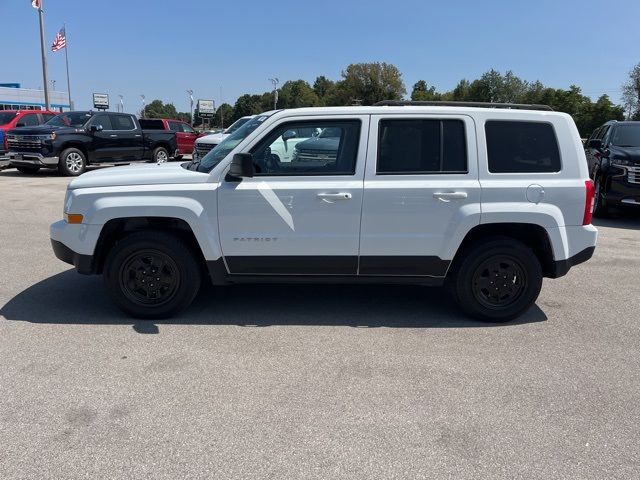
(215, 138)
(319, 143)
(631, 154)
(146, 174)
(39, 130)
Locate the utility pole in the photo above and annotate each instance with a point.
(121, 104)
(144, 106)
(275, 82)
(44, 58)
(190, 93)
(53, 85)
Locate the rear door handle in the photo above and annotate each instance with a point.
(335, 196)
(113, 136)
(448, 196)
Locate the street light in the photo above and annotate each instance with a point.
(190, 93)
(121, 106)
(275, 82)
(53, 85)
(144, 105)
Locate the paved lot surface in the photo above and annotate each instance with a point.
(311, 381)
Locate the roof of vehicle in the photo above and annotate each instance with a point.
(165, 119)
(29, 111)
(622, 122)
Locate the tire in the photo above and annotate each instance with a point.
(130, 272)
(600, 207)
(72, 163)
(28, 170)
(510, 261)
(160, 155)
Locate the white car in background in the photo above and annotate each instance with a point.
(206, 143)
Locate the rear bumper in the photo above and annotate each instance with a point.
(561, 267)
(83, 263)
(32, 159)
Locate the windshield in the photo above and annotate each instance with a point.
(236, 125)
(626, 136)
(70, 119)
(6, 117)
(217, 154)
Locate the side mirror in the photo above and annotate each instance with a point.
(289, 134)
(594, 143)
(242, 166)
(21, 124)
(95, 128)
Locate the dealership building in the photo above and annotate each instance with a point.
(13, 97)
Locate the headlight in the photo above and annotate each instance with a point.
(50, 136)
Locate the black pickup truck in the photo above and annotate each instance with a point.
(72, 140)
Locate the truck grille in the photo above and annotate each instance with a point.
(203, 148)
(633, 174)
(317, 155)
(23, 142)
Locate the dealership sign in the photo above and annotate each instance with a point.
(101, 101)
(206, 108)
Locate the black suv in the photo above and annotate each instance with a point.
(613, 154)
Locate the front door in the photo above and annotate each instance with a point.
(297, 217)
(105, 141)
(421, 193)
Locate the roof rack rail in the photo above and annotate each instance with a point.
(435, 103)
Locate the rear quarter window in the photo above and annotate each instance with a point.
(522, 147)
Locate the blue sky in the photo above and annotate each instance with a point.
(161, 48)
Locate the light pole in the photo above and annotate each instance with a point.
(190, 93)
(121, 106)
(275, 82)
(144, 105)
(53, 85)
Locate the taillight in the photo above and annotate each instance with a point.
(588, 203)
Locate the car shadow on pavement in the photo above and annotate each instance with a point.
(620, 219)
(70, 298)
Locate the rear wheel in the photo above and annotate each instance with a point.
(72, 162)
(152, 274)
(600, 207)
(160, 155)
(496, 280)
(27, 169)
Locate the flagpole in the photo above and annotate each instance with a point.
(44, 58)
(66, 57)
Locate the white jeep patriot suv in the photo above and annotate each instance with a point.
(485, 199)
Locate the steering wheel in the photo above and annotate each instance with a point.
(267, 162)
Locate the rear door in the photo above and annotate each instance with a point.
(185, 136)
(421, 192)
(297, 217)
(130, 142)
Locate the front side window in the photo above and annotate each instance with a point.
(175, 127)
(187, 128)
(419, 146)
(122, 122)
(522, 147)
(47, 116)
(309, 148)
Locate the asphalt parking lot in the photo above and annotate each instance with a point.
(311, 381)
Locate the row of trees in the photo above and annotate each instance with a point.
(368, 83)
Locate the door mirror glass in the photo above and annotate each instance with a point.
(95, 128)
(241, 165)
(289, 134)
(594, 143)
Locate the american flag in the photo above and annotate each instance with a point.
(35, 3)
(60, 41)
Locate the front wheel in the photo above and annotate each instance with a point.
(497, 280)
(72, 162)
(600, 207)
(160, 155)
(152, 274)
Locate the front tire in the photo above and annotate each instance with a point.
(28, 170)
(72, 162)
(151, 275)
(496, 280)
(600, 207)
(160, 155)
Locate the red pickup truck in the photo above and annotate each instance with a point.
(185, 134)
(20, 118)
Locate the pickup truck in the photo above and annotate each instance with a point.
(185, 134)
(484, 199)
(10, 119)
(72, 140)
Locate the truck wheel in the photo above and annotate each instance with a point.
(72, 162)
(496, 280)
(151, 274)
(600, 207)
(28, 170)
(160, 155)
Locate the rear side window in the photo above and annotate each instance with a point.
(175, 126)
(522, 147)
(421, 147)
(29, 120)
(47, 116)
(122, 122)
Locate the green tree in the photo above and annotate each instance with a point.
(296, 94)
(422, 91)
(322, 87)
(368, 83)
(631, 93)
(247, 105)
(158, 109)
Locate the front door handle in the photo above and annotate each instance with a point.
(113, 136)
(448, 196)
(335, 196)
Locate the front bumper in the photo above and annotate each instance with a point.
(75, 244)
(32, 159)
(83, 263)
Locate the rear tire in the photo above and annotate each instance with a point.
(496, 280)
(28, 170)
(151, 274)
(72, 162)
(160, 155)
(600, 207)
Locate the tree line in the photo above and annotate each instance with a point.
(368, 83)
